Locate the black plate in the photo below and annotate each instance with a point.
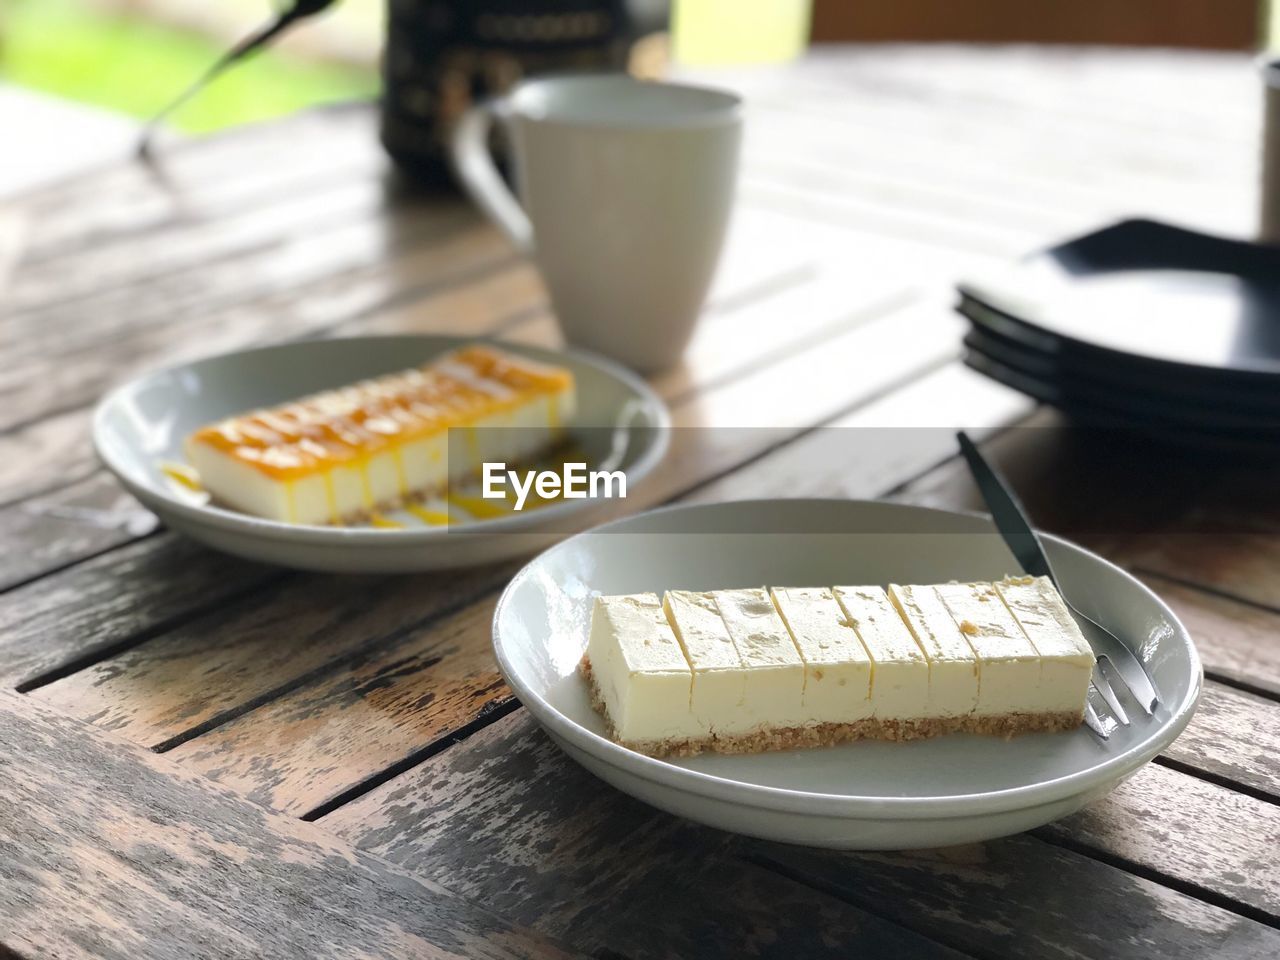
(1245, 444)
(1252, 393)
(1148, 299)
(1136, 406)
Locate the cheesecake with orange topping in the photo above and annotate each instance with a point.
(342, 455)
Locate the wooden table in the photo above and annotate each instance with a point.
(204, 757)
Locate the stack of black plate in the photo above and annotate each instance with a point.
(1141, 325)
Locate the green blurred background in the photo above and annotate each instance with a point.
(132, 56)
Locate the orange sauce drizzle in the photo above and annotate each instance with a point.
(184, 475)
(432, 518)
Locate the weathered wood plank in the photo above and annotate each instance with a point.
(830, 377)
(1225, 843)
(204, 671)
(81, 520)
(878, 86)
(245, 272)
(1234, 736)
(857, 155)
(1231, 560)
(199, 179)
(116, 598)
(1092, 486)
(1022, 898)
(38, 287)
(516, 826)
(52, 378)
(177, 201)
(293, 754)
(1113, 93)
(110, 852)
(880, 445)
(786, 320)
(45, 455)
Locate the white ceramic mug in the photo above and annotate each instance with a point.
(627, 188)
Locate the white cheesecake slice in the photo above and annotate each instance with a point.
(900, 675)
(719, 681)
(757, 669)
(837, 683)
(773, 694)
(1066, 659)
(1008, 665)
(342, 455)
(640, 677)
(953, 666)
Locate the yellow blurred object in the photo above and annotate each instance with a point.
(709, 32)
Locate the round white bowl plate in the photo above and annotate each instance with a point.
(865, 795)
(141, 426)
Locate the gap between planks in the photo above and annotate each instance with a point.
(494, 711)
(1217, 779)
(98, 654)
(1187, 888)
(329, 666)
(814, 881)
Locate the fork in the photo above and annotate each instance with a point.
(1115, 662)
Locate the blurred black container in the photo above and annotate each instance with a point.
(443, 55)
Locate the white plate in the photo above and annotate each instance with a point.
(140, 427)
(867, 795)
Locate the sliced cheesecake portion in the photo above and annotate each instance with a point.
(1066, 659)
(900, 671)
(719, 681)
(639, 675)
(773, 671)
(1008, 665)
(756, 669)
(837, 682)
(953, 666)
(341, 455)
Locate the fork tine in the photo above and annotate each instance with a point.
(1120, 679)
(1102, 684)
(1122, 665)
(1094, 723)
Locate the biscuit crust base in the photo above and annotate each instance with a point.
(828, 734)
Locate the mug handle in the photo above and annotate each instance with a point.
(475, 168)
